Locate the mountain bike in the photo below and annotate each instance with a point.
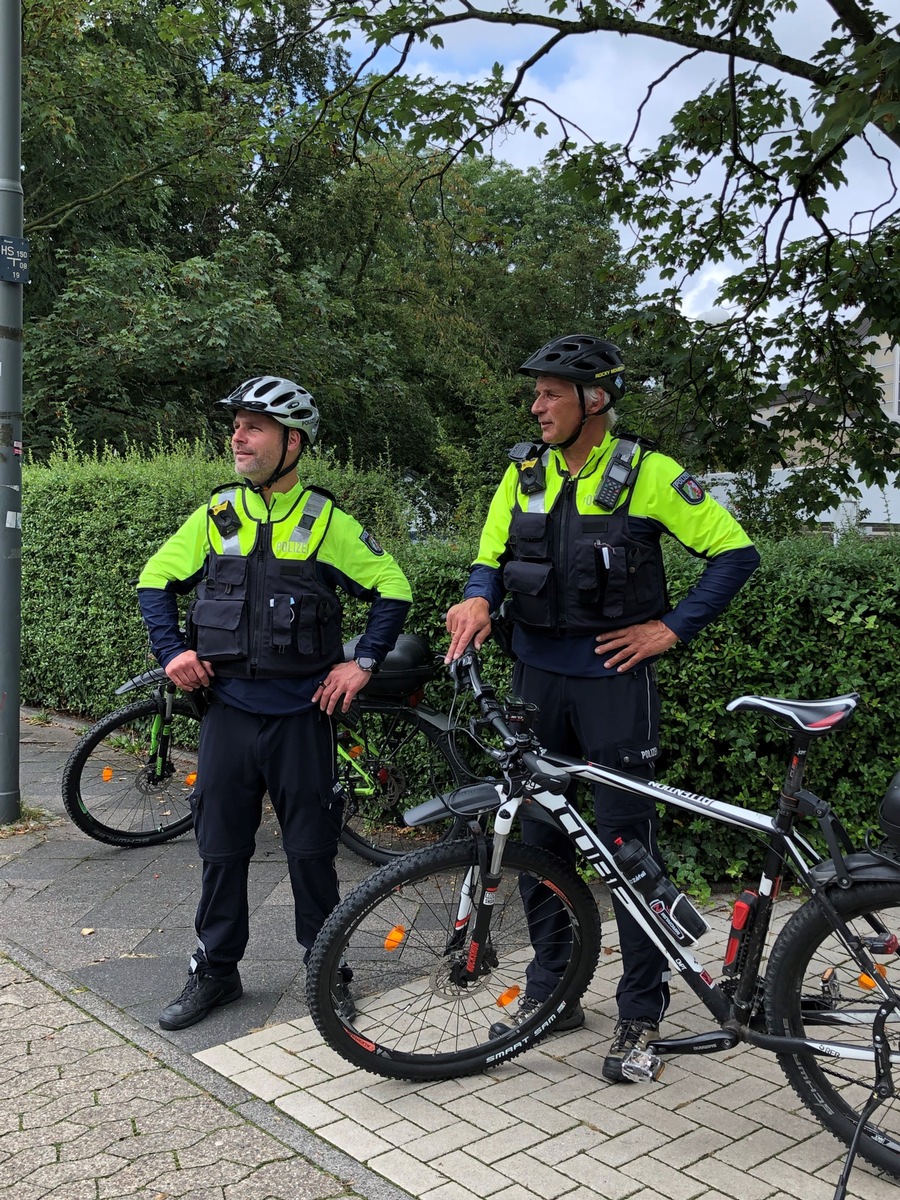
(438, 942)
(129, 780)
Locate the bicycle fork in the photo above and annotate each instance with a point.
(477, 894)
(160, 734)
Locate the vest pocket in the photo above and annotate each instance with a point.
(306, 630)
(228, 576)
(532, 587)
(281, 610)
(531, 534)
(219, 631)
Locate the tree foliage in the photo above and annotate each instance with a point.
(195, 220)
(746, 176)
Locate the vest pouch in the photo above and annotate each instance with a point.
(219, 632)
(589, 571)
(532, 587)
(616, 562)
(227, 576)
(281, 611)
(306, 624)
(531, 533)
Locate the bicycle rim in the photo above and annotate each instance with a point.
(815, 989)
(114, 793)
(402, 934)
(391, 760)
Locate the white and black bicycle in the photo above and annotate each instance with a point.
(438, 940)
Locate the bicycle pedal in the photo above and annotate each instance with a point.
(641, 1066)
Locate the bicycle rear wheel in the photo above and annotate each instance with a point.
(403, 934)
(814, 989)
(391, 759)
(112, 790)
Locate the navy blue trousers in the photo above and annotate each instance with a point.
(612, 721)
(243, 755)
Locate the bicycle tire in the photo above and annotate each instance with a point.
(413, 1019)
(801, 1001)
(394, 758)
(106, 789)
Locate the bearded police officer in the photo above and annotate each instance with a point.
(268, 557)
(573, 536)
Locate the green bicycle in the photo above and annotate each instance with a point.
(129, 780)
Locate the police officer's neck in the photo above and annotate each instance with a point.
(592, 434)
(280, 485)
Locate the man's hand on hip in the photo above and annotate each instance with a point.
(341, 686)
(630, 646)
(471, 619)
(189, 672)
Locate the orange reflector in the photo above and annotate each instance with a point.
(355, 751)
(506, 998)
(191, 779)
(107, 774)
(394, 938)
(867, 982)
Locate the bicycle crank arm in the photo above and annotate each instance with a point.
(698, 1043)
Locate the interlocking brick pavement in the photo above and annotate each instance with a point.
(96, 1101)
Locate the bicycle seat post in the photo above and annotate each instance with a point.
(788, 801)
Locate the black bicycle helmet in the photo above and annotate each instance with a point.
(287, 402)
(586, 360)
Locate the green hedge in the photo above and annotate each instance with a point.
(816, 620)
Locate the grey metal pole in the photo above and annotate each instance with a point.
(13, 274)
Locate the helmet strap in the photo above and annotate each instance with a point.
(585, 417)
(281, 470)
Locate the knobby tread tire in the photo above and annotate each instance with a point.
(413, 1019)
(814, 989)
(107, 821)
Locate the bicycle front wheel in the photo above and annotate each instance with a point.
(405, 933)
(117, 791)
(390, 760)
(814, 989)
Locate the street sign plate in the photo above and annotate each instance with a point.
(14, 260)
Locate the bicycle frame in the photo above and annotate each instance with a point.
(542, 782)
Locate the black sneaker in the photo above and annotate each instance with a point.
(344, 1004)
(200, 995)
(572, 1017)
(632, 1033)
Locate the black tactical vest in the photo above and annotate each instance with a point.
(574, 573)
(258, 616)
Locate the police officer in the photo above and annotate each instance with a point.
(268, 557)
(573, 537)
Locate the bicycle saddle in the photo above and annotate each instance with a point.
(812, 717)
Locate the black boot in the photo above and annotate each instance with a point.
(200, 995)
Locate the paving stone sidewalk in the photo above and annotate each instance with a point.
(249, 1105)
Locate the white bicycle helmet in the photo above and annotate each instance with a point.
(287, 402)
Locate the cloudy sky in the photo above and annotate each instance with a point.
(599, 80)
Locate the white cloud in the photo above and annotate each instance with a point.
(599, 80)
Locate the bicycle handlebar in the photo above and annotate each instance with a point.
(522, 746)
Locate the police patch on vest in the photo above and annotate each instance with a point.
(688, 488)
(368, 540)
(225, 518)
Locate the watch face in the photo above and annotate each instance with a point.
(366, 663)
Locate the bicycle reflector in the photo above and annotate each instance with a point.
(191, 778)
(741, 924)
(394, 938)
(107, 774)
(506, 998)
(867, 982)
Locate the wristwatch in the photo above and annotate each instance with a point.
(366, 662)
